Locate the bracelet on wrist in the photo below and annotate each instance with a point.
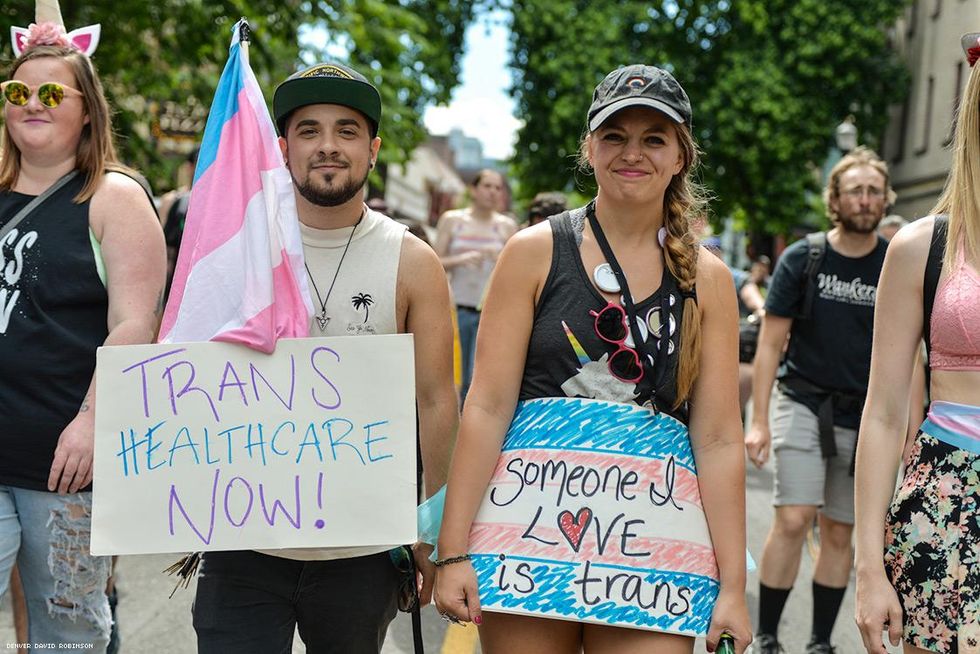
(449, 560)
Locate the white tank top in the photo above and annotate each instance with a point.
(362, 303)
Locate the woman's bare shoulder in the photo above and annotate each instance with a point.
(119, 198)
(713, 272)
(531, 242)
(910, 245)
(120, 186)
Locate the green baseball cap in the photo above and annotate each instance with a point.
(328, 83)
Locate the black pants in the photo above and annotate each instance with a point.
(250, 603)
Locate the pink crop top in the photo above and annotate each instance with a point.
(955, 325)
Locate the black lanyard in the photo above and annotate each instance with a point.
(660, 357)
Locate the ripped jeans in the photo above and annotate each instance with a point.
(48, 535)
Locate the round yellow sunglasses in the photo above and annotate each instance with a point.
(49, 94)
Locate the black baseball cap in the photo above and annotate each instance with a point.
(328, 83)
(639, 85)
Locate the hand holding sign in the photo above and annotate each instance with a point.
(456, 592)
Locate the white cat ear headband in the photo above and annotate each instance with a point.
(48, 28)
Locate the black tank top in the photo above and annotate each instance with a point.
(566, 358)
(53, 311)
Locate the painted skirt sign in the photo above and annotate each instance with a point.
(214, 446)
(593, 514)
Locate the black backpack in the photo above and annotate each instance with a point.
(816, 251)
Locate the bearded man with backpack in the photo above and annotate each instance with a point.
(822, 297)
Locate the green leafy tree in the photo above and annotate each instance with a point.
(785, 73)
(769, 80)
(161, 60)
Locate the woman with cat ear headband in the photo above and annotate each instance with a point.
(84, 266)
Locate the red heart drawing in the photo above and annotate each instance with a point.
(574, 527)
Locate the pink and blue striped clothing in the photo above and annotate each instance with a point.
(955, 424)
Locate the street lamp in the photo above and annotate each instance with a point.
(846, 135)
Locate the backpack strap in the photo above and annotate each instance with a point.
(816, 251)
(930, 280)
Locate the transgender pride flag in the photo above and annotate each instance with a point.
(239, 277)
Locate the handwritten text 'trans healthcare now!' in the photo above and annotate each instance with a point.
(172, 386)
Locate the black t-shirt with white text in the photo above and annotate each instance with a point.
(832, 348)
(53, 317)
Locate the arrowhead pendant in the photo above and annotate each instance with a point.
(322, 321)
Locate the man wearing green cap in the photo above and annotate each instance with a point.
(369, 276)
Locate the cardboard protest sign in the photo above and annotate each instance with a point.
(214, 446)
(593, 514)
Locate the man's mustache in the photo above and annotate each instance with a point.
(321, 160)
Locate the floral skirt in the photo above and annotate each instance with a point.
(932, 537)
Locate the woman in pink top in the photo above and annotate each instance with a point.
(468, 243)
(918, 561)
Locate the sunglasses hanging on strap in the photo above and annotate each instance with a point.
(659, 358)
(35, 203)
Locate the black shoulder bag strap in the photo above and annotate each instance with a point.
(934, 267)
(641, 346)
(930, 282)
(816, 250)
(419, 648)
(35, 203)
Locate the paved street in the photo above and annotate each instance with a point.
(150, 622)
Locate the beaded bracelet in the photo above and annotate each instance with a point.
(452, 559)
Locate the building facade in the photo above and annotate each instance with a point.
(916, 143)
(423, 187)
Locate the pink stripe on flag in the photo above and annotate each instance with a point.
(255, 332)
(226, 184)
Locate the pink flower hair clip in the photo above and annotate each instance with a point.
(48, 28)
(971, 46)
(46, 34)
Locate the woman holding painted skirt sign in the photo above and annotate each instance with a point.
(576, 492)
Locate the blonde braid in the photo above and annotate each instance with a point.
(681, 255)
(684, 200)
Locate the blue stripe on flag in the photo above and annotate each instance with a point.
(223, 108)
